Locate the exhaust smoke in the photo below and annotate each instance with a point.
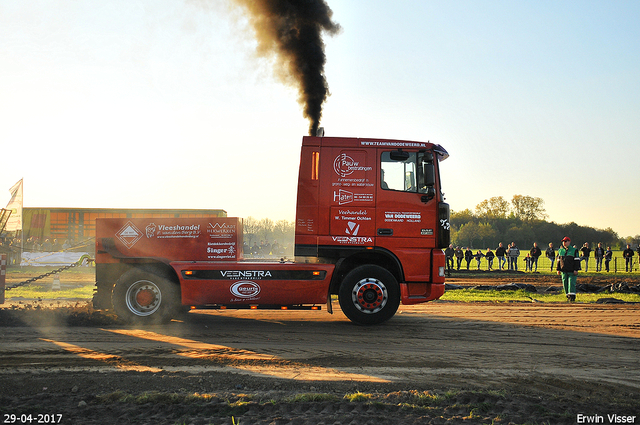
(291, 30)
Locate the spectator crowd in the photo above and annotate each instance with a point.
(13, 247)
(265, 250)
(509, 257)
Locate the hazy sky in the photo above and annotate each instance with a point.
(163, 104)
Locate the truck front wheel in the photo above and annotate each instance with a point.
(369, 295)
(145, 298)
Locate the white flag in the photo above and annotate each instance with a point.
(15, 205)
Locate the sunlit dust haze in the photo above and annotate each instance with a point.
(291, 31)
(181, 104)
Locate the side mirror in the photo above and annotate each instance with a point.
(428, 169)
(429, 175)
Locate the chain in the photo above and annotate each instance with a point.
(33, 279)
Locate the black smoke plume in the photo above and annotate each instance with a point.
(292, 31)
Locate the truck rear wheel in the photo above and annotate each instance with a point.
(369, 295)
(145, 298)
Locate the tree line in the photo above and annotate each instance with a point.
(523, 221)
(267, 230)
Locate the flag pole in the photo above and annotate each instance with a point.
(22, 225)
(16, 204)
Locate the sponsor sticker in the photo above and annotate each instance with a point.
(401, 217)
(352, 221)
(129, 234)
(346, 197)
(352, 228)
(344, 165)
(251, 274)
(305, 225)
(352, 240)
(245, 289)
(221, 230)
(151, 230)
(394, 144)
(221, 250)
(353, 173)
(353, 214)
(176, 231)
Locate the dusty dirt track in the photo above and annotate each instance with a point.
(441, 362)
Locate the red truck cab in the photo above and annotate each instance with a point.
(371, 223)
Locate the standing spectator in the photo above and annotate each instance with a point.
(459, 256)
(608, 254)
(449, 253)
(598, 253)
(500, 252)
(478, 257)
(528, 263)
(489, 256)
(585, 251)
(513, 253)
(46, 246)
(638, 256)
(628, 258)
(535, 254)
(551, 254)
(275, 249)
(265, 249)
(568, 266)
(468, 256)
(30, 244)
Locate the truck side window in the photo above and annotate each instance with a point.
(398, 174)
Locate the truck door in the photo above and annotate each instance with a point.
(406, 209)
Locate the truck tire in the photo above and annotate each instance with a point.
(369, 295)
(141, 297)
(102, 296)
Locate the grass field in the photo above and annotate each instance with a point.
(75, 283)
(44, 292)
(13, 271)
(473, 295)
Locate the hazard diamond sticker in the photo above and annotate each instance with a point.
(129, 235)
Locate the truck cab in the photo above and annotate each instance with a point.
(376, 202)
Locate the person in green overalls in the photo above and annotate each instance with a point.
(568, 266)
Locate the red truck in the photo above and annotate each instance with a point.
(371, 223)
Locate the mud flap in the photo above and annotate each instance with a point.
(415, 293)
